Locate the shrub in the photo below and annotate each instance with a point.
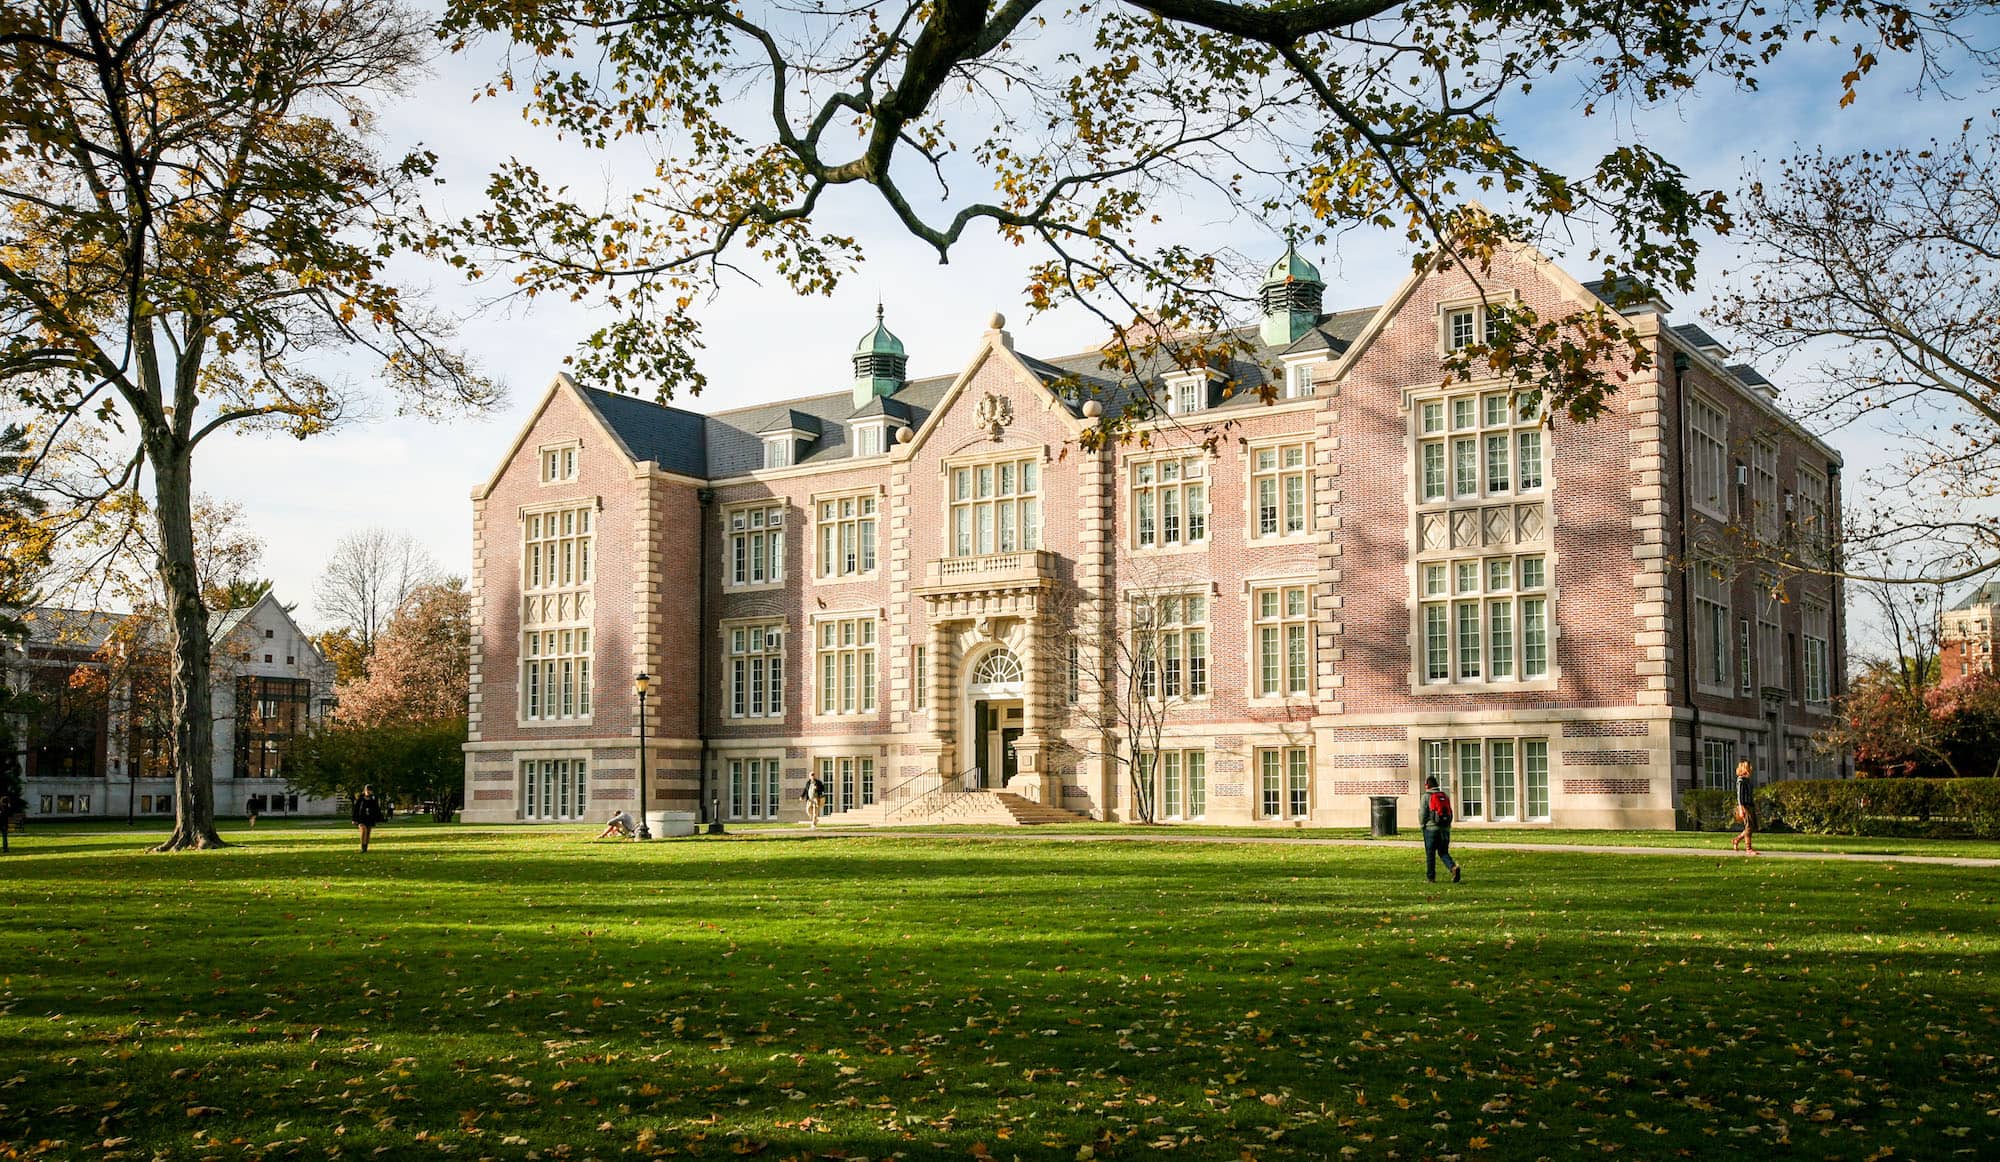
(1914, 807)
(1709, 809)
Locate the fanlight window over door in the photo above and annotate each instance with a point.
(999, 668)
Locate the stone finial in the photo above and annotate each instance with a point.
(1092, 409)
(996, 321)
(904, 435)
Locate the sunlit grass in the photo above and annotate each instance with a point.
(496, 993)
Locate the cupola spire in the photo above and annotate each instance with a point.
(1291, 298)
(879, 363)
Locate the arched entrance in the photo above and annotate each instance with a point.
(995, 701)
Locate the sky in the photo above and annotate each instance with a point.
(415, 476)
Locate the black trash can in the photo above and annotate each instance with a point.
(1382, 815)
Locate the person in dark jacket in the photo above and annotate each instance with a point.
(1434, 814)
(1746, 809)
(815, 797)
(366, 814)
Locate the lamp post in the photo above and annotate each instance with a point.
(639, 685)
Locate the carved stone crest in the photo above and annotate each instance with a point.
(994, 413)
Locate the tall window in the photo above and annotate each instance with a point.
(847, 535)
(1169, 502)
(1708, 457)
(1815, 532)
(556, 549)
(753, 788)
(1500, 780)
(1472, 447)
(868, 439)
(1281, 488)
(757, 671)
(1284, 782)
(1718, 763)
(847, 666)
(555, 674)
(1768, 517)
(1178, 782)
(920, 678)
(850, 781)
(269, 713)
(1744, 681)
(1171, 644)
(1770, 633)
(995, 509)
(1284, 648)
(555, 788)
(1485, 619)
(778, 452)
(1711, 623)
(1818, 657)
(757, 545)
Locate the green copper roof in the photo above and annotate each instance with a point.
(1292, 268)
(879, 341)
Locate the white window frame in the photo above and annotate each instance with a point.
(780, 451)
(1172, 648)
(1718, 764)
(847, 535)
(1708, 457)
(1521, 797)
(1301, 380)
(1817, 661)
(555, 674)
(553, 788)
(753, 786)
(973, 489)
(753, 535)
(1281, 641)
(1178, 780)
(1169, 502)
(1457, 436)
(1767, 513)
(1290, 797)
(1812, 518)
(1711, 584)
(1186, 394)
(558, 463)
(556, 547)
(1290, 479)
(871, 438)
(846, 669)
(754, 668)
(1507, 603)
(850, 781)
(1770, 633)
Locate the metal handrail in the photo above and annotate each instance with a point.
(944, 788)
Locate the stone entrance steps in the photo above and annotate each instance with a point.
(965, 808)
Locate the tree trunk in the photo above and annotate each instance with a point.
(189, 686)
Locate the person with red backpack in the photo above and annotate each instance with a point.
(1435, 815)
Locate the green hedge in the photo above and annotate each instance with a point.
(1709, 810)
(1941, 808)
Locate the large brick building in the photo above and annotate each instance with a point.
(1374, 577)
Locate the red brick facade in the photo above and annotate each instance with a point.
(1593, 547)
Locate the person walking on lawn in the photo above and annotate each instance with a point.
(1746, 809)
(366, 814)
(815, 797)
(1435, 815)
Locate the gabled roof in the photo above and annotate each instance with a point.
(882, 405)
(1750, 375)
(668, 436)
(1987, 594)
(791, 420)
(1694, 334)
(84, 629)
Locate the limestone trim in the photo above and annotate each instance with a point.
(576, 743)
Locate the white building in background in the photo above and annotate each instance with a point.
(90, 752)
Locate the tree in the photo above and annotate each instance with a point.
(1331, 115)
(367, 579)
(343, 651)
(197, 226)
(1884, 269)
(27, 540)
(1134, 663)
(406, 762)
(422, 667)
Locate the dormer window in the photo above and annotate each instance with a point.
(1299, 380)
(778, 452)
(869, 439)
(1187, 396)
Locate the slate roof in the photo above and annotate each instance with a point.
(731, 443)
(1694, 334)
(1987, 594)
(1610, 289)
(83, 629)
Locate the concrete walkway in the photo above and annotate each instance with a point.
(1053, 835)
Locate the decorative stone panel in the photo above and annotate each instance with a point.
(1394, 761)
(1604, 758)
(1607, 786)
(1620, 728)
(1371, 786)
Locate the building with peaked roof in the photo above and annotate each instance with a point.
(1965, 638)
(1323, 574)
(98, 748)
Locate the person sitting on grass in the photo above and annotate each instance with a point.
(620, 825)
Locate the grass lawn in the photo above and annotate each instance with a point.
(525, 993)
